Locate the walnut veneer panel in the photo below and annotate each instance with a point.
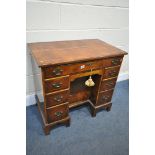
(57, 113)
(108, 84)
(56, 84)
(57, 98)
(104, 97)
(61, 70)
(111, 72)
(62, 52)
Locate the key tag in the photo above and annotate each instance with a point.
(90, 82)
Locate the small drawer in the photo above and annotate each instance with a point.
(57, 113)
(56, 98)
(87, 65)
(111, 72)
(108, 84)
(61, 70)
(105, 97)
(115, 61)
(56, 84)
(55, 71)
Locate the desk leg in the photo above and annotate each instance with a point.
(94, 109)
(94, 113)
(47, 130)
(108, 108)
(68, 123)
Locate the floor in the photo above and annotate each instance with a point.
(106, 134)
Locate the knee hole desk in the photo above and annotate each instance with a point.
(65, 66)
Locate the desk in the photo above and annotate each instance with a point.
(65, 66)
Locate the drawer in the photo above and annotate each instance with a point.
(55, 71)
(105, 97)
(56, 84)
(111, 72)
(57, 113)
(67, 69)
(115, 61)
(108, 84)
(87, 65)
(57, 98)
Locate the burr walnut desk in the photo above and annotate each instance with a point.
(65, 66)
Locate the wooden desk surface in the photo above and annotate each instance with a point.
(64, 52)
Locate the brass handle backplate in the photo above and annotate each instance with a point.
(57, 71)
(58, 113)
(89, 63)
(112, 73)
(105, 97)
(58, 98)
(56, 85)
(115, 61)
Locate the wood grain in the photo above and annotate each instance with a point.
(57, 113)
(56, 84)
(61, 70)
(108, 84)
(104, 97)
(57, 98)
(111, 72)
(64, 52)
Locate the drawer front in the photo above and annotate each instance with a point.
(55, 71)
(57, 113)
(79, 96)
(57, 98)
(108, 84)
(61, 70)
(105, 97)
(84, 66)
(56, 84)
(111, 72)
(115, 61)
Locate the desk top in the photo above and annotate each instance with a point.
(64, 52)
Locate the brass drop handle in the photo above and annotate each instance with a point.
(56, 85)
(109, 84)
(105, 97)
(58, 98)
(58, 113)
(89, 63)
(112, 73)
(57, 71)
(115, 61)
